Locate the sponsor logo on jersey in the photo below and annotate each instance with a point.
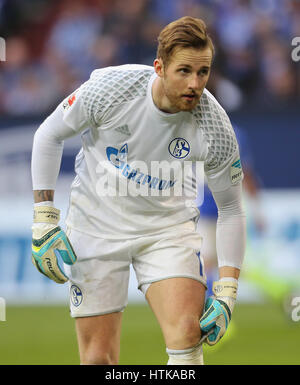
(236, 171)
(76, 295)
(179, 148)
(119, 159)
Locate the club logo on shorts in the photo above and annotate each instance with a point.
(76, 295)
(179, 148)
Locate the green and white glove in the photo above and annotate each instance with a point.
(50, 245)
(218, 310)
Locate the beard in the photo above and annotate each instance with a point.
(181, 102)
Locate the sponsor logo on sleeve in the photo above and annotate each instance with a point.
(69, 101)
(236, 172)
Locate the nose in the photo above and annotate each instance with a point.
(194, 83)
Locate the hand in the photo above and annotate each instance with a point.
(218, 310)
(50, 244)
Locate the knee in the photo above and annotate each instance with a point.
(95, 356)
(185, 334)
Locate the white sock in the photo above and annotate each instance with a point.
(191, 356)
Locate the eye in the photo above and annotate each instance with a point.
(204, 71)
(184, 70)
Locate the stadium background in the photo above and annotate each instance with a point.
(51, 48)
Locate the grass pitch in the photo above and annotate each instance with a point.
(258, 335)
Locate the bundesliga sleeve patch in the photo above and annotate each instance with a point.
(69, 101)
(236, 172)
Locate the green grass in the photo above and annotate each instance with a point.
(259, 334)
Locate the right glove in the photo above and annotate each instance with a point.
(50, 244)
(218, 311)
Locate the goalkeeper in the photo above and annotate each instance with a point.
(129, 118)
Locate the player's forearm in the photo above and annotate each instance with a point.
(231, 241)
(229, 271)
(231, 232)
(47, 152)
(45, 162)
(43, 195)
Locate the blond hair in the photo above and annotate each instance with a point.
(185, 32)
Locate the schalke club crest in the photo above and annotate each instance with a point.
(179, 148)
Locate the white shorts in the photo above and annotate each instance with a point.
(99, 279)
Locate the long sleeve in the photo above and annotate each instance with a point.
(231, 227)
(67, 120)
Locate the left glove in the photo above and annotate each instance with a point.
(218, 310)
(50, 245)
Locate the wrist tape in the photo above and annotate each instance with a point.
(225, 289)
(46, 214)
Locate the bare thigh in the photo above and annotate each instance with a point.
(178, 305)
(99, 339)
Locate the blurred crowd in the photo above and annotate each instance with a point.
(52, 47)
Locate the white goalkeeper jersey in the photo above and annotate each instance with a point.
(138, 167)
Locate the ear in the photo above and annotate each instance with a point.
(159, 67)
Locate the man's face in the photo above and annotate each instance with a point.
(184, 78)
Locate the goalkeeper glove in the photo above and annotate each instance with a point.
(218, 310)
(50, 244)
